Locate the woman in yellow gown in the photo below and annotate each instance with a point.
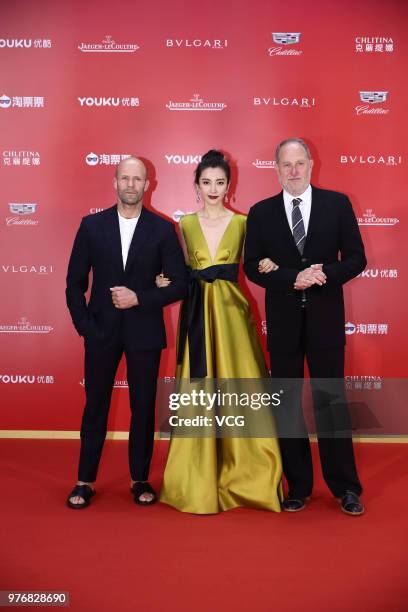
(204, 475)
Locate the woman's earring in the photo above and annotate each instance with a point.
(198, 197)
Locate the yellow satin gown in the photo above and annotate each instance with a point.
(206, 475)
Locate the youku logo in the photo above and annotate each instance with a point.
(21, 212)
(384, 273)
(370, 98)
(24, 327)
(25, 43)
(285, 39)
(105, 159)
(108, 45)
(264, 164)
(26, 379)
(21, 102)
(370, 218)
(183, 159)
(108, 101)
(196, 103)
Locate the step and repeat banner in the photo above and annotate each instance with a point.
(85, 84)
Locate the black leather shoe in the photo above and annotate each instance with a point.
(351, 504)
(294, 504)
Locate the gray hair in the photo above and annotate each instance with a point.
(298, 141)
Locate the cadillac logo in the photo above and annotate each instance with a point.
(23, 209)
(373, 97)
(286, 38)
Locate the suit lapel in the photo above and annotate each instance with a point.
(142, 232)
(315, 215)
(112, 234)
(287, 235)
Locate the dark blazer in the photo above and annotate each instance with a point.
(97, 247)
(333, 239)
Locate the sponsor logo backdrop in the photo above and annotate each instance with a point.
(83, 85)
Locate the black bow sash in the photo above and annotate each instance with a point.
(192, 316)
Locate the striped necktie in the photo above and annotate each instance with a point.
(298, 227)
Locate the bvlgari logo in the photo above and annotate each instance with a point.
(370, 218)
(23, 326)
(196, 103)
(285, 39)
(264, 164)
(41, 270)
(372, 98)
(197, 43)
(21, 213)
(108, 45)
(286, 101)
(372, 160)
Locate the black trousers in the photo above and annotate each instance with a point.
(101, 363)
(332, 422)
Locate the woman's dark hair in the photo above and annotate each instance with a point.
(212, 159)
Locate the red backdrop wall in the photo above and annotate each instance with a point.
(84, 83)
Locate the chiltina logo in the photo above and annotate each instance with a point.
(363, 382)
(108, 45)
(21, 102)
(370, 218)
(105, 159)
(285, 39)
(264, 164)
(298, 102)
(374, 44)
(21, 158)
(21, 212)
(197, 43)
(25, 43)
(371, 160)
(196, 103)
(27, 269)
(26, 379)
(368, 329)
(103, 101)
(370, 98)
(24, 327)
(176, 216)
(183, 159)
(378, 273)
(118, 384)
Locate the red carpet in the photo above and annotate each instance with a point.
(118, 556)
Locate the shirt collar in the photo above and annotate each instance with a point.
(306, 196)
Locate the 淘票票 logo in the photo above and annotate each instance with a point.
(369, 329)
(370, 100)
(285, 39)
(21, 158)
(103, 101)
(23, 326)
(21, 102)
(196, 103)
(370, 218)
(197, 43)
(264, 164)
(371, 160)
(374, 44)
(108, 45)
(105, 159)
(21, 213)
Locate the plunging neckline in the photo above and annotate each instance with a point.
(221, 239)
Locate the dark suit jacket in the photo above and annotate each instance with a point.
(333, 238)
(97, 247)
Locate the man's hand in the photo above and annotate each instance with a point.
(122, 297)
(267, 265)
(310, 276)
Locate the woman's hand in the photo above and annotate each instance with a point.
(162, 281)
(267, 265)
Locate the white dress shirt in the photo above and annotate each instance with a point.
(127, 229)
(305, 206)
